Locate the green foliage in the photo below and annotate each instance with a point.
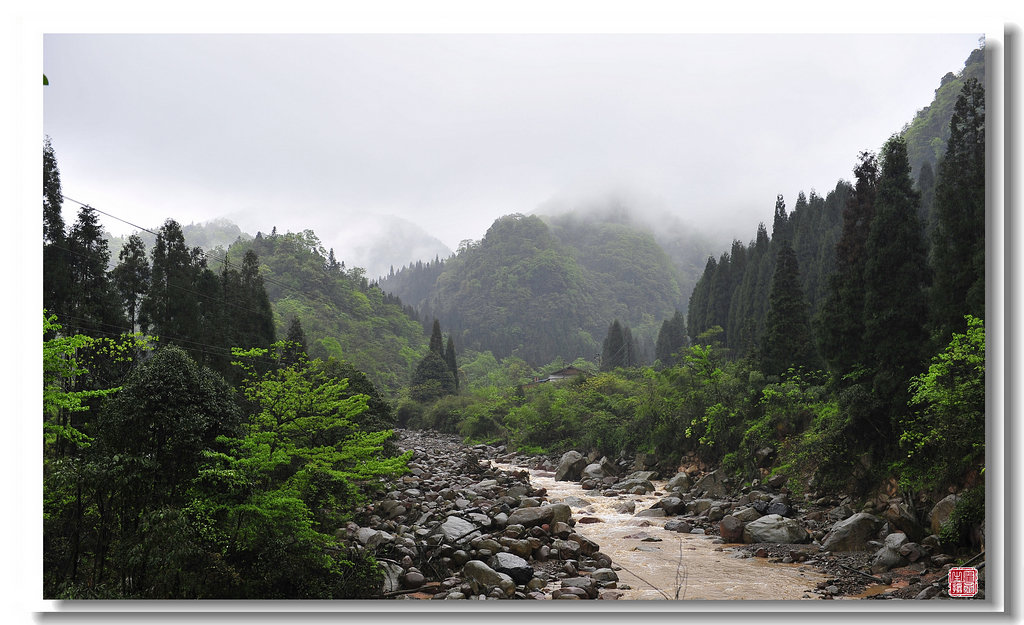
(967, 515)
(432, 379)
(787, 339)
(944, 437)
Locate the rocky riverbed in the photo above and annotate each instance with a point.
(468, 523)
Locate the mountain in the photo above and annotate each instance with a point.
(542, 288)
(208, 235)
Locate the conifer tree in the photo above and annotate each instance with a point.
(171, 308)
(436, 340)
(787, 339)
(895, 278)
(958, 255)
(841, 319)
(131, 277)
(56, 283)
(93, 301)
(613, 350)
(671, 339)
(449, 357)
(295, 343)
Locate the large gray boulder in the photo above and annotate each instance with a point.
(940, 512)
(853, 533)
(773, 528)
(889, 555)
(456, 531)
(529, 517)
(713, 484)
(902, 519)
(679, 483)
(488, 578)
(571, 466)
(671, 505)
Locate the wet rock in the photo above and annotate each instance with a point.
(413, 579)
(512, 565)
(773, 528)
(531, 517)
(626, 507)
(680, 482)
(747, 515)
(651, 512)
(889, 555)
(731, 529)
(585, 584)
(488, 578)
(671, 505)
(853, 533)
(587, 546)
(570, 467)
(940, 512)
(715, 513)
(456, 530)
(712, 484)
(683, 527)
(899, 517)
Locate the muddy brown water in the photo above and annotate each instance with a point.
(679, 566)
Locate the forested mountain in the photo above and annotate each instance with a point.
(546, 288)
(209, 235)
(340, 312)
(379, 243)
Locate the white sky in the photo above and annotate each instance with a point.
(452, 131)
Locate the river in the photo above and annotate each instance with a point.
(683, 566)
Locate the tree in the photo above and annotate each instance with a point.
(613, 350)
(93, 303)
(171, 308)
(944, 437)
(294, 343)
(958, 244)
(432, 379)
(671, 339)
(449, 357)
(841, 319)
(131, 277)
(56, 279)
(436, 340)
(895, 278)
(787, 339)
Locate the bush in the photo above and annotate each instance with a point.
(968, 514)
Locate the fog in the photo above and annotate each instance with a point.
(447, 132)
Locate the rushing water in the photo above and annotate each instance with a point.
(683, 566)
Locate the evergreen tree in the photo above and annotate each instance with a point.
(171, 308)
(56, 282)
(959, 239)
(93, 304)
(613, 350)
(895, 278)
(841, 319)
(436, 340)
(131, 277)
(926, 187)
(258, 326)
(449, 357)
(671, 339)
(781, 231)
(432, 379)
(787, 339)
(632, 356)
(295, 343)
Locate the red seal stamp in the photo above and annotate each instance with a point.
(963, 581)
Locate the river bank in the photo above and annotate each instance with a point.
(482, 523)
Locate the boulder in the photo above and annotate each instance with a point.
(940, 512)
(488, 578)
(683, 527)
(530, 517)
(889, 555)
(594, 471)
(457, 531)
(747, 515)
(671, 505)
(586, 584)
(852, 533)
(773, 528)
(731, 529)
(679, 483)
(571, 466)
(713, 484)
(900, 517)
(587, 546)
(512, 565)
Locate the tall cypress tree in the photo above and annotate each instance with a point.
(171, 308)
(436, 340)
(787, 339)
(295, 343)
(449, 357)
(958, 255)
(94, 304)
(613, 350)
(841, 319)
(56, 279)
(258, 314)
(671, 339)
(895, 279)
(131, 277)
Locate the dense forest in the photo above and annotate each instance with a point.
(212, 417)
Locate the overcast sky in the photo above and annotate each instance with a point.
(452, 131)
